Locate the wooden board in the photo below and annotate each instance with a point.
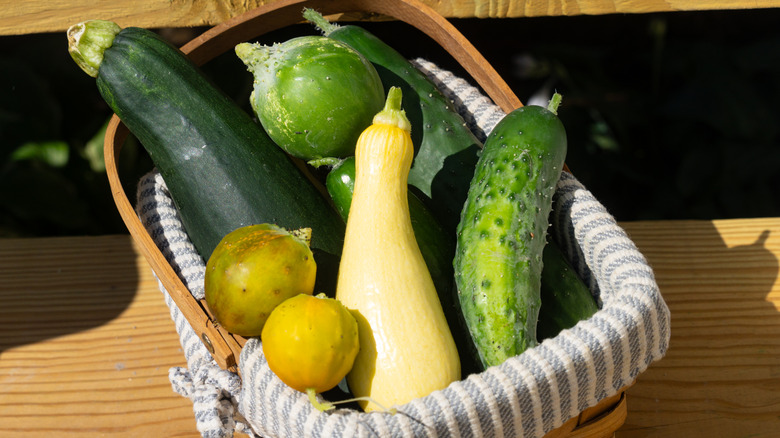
(86, 342)
(36, 16)
(721, 375)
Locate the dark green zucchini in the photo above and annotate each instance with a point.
(222, 170)
(566, 299)
(503, 229)
(446, 150)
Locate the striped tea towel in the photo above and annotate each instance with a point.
(526, 396)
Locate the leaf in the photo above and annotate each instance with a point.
(93, 150)
(54, 153)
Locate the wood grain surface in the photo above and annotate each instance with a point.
(721, 375)
(86, 340)
(36, 16)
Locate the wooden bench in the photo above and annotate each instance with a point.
(86, 340)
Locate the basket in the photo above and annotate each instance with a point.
(602, 409)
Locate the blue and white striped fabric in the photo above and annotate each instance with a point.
(526, 396)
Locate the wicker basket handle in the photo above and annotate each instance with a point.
(223, 346)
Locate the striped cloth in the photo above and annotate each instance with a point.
(526, 396)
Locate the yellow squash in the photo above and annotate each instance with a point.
(406, 348)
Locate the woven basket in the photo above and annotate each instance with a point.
(603, 410)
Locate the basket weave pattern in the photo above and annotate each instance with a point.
(527, 396)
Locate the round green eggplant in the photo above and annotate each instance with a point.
(312, 94)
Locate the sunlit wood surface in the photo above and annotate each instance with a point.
(721, 375)
(36, 16)
(86, 340)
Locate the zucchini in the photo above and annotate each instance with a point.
(222, 170)
(407, 350)
(503, 229)
(446, 150)
(566, 299)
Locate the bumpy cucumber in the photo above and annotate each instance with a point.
(503, 229)
(446, 151)
(566, 299)
(313, 95)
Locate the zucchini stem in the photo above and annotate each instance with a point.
(325, 26)
(88, 40)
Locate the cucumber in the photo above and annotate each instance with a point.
(566, 299)
(437, 249)
(222, 170)
(503, 231)
(313, 95)
(446, 151)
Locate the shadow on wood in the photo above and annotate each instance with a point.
(51, 294)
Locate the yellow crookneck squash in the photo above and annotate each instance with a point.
(406, 347)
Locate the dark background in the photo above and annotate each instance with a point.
(669, 115)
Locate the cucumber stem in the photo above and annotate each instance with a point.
(320, 406)
(325, 26)
(88, 40)
(252, 54)
(325, 161)
(392, 114)
(555, 102)
(303, 234)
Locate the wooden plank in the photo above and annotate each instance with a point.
(86, 342)
(721, 374)
(37, 16)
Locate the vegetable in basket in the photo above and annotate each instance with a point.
(253, 270)
(313, 95)
(406, 347)
(310, 343)
(566, 299)
(503, 231)
(221, 169)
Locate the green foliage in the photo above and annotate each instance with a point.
(52, 123)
